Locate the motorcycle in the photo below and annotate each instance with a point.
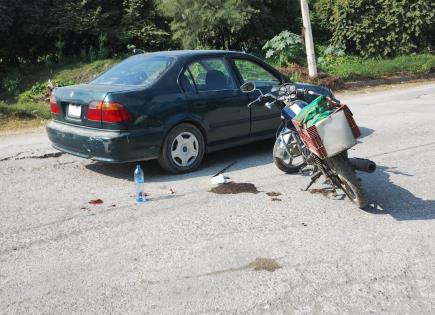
(295, 151)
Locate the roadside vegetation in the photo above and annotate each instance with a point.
(25, 102)
(355, 40)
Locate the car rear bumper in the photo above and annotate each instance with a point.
(104, 145)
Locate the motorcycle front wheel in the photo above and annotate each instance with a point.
(289, 161)
(347, 181)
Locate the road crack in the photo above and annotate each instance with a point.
(43, 156)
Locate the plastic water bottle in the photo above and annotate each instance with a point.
(139, 183)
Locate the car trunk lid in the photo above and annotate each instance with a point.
(73, 102)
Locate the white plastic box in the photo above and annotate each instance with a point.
(335, 133)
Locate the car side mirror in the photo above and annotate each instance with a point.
(248, 87)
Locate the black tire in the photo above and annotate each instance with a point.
(348, 181)
(182, 163)
(288, 168)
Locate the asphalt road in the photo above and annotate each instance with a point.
(196, 252)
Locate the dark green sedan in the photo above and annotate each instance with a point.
(173, 106)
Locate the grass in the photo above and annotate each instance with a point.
(82, 72)
(351, 67)
(335, 71)
(39, 110)
(12, 125)
(28, 105)
(23, 115)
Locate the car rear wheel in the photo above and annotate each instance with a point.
(183, 149)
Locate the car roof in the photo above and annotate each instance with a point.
(179, 53)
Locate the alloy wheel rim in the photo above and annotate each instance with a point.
(184, 149)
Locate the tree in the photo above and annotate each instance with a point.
(207, 23)
(143, 26)
(271, 18)
(30, 30)
(230, 24)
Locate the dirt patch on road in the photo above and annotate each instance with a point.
(266, 264)
(259, 264)
(327, 192)
(273, 194)
(235, 188)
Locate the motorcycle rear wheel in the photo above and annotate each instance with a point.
(347, 181)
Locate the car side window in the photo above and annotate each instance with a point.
(251, 71)
(211, 74)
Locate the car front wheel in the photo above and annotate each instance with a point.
(183, 149)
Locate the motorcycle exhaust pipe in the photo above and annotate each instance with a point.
(363, 165)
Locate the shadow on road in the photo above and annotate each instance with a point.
(247, 156)
(388, 198)
(365, 132)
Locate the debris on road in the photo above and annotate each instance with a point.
(235, 188)
(145, 194)
(276, 199)
(95, 202)
(171, 191)
(139, 181)
(225, 168)
(219, 179)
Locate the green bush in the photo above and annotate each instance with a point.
(379, 27)
(328, 55)
(39, 91)
(284, 48)
(11, 84)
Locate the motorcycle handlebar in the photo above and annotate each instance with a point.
(331, 99)
(263, 98)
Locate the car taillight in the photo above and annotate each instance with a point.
(54, 107)
(107, 112)
(94, 111)
(114, 113)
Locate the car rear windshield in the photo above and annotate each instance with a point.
(136, 70)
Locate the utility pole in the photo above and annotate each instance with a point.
(309, 44)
